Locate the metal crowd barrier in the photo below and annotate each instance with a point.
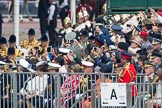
(69, 90)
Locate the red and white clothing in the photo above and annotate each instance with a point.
(69, 87)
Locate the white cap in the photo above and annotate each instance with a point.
(2, 63)
(24, 63)
(54, 65)
(87, 63)
(99, 24)
(41, 63)
(64, 50)
(112, 47)
(32, 70)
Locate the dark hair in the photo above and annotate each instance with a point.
(43, 68)
(142, 58)
(148, 27)
(60, 60)
(24, 69)
(11, 51)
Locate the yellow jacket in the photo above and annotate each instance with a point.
(26, 44)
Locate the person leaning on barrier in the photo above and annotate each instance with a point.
(87, 79)
(22, 79)
(70, 86)
(105, 79)
(155, 102)
(149, 79)
(36, 86)
(50, 92)
(5, 86)
(30, 42)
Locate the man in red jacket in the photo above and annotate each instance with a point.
(128, 73)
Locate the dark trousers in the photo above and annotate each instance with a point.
(64, 13)
(5, 103)
(37, 102)
(52, 33)
(0, 29)
(43, 25)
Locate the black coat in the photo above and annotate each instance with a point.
(43, 8)
(5, 82)
(1, 19)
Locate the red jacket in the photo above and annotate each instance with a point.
(127, 75)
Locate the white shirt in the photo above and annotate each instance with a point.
(159, 92)
(51, 11)
(38, 85)
(159, 18)
(62, 69)
(64, 4)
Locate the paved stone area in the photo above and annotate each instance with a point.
(24, 26)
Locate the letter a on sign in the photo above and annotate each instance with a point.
(113, 94)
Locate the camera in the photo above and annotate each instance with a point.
(96, 34)
(71, 41)
(17, 61)
(128, 25)
(10, 66)
(27, 57)
(94, 48)
(36, 48)
(49, 49)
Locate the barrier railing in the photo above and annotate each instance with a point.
(70, 90)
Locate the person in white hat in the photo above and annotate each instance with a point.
(87, 79)
(50, 93)
(68, 92)
(88, 66)
(53, 67)
(24, 66)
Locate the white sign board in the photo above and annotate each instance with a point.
(113, 94)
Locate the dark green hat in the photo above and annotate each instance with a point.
(3, 40)
(12, 39)
(44, 38)
(11, 51)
